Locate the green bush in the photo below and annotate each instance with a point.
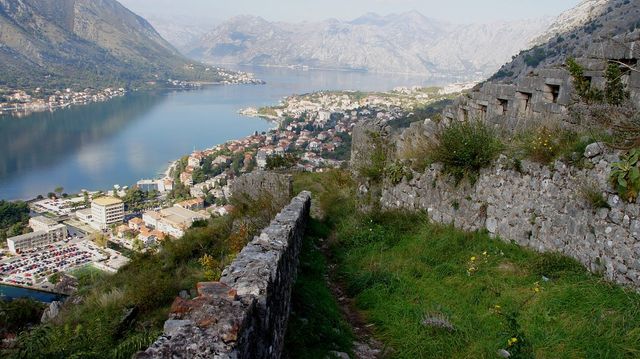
(464, 148)
(615, 92)
(396, 171)
(582, 85)
(625, 175)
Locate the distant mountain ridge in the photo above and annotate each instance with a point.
(571, 34)
(82, 42)
(403, 43)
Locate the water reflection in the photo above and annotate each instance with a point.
(123, 140)
(44, 139)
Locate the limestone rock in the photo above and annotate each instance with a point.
(51, 312)
(594, 149)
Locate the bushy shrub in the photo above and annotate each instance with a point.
(548, 143)
(396, 171)
(582, 85)
(615, 92)
(625, 175)
(466, 147)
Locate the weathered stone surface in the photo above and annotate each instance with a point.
(257, 185)
(594, 149)
(51, 312)
(244, 316)
(539, 207)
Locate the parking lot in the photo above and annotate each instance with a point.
(35, 266)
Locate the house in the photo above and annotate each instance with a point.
(186, 178)
(136, 224)
(173, 221)
(191, 204)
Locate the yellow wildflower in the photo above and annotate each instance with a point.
(512, 341)
(473, 259)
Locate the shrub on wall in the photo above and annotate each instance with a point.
(625, 175)
(466, 147)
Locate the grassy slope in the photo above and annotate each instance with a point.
(400, 268)
(316, 326)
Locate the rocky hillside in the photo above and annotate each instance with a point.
(404, 43)
(49, 42)
(572, 33)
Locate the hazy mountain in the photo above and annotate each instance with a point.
(571, 34)
(181, 31)
(408, 43)
(50, 42)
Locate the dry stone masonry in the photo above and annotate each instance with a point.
(538, 207)
(257, 184)
(245, 314)
(546, 94)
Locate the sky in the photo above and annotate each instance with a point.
(456, 11)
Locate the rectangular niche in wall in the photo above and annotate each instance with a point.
(504, 105)
(524, 102)
(551, 92)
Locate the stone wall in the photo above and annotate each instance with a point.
(547, 94)
(258, 184)
(245, 314)
(538, 207)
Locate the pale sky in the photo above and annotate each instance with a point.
(458, 11)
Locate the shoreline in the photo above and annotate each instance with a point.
(41, 290)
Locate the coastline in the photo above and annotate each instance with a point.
(39, 290)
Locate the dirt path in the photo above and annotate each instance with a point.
(365, 346)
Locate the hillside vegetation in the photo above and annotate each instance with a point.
(82, 43)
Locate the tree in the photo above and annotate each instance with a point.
(100, 240)
(137, 245)
(278, 161)
(58, 191)
(134, 198)
(614, 91)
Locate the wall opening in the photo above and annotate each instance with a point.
(504, 105)
(525, 102)
(551, 93)
(483, 112)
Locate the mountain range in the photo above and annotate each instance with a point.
(79, 43)
(571, 34)
(402, 43)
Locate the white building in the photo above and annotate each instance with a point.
(106, 211)
(27, 241)
(84, 215)
(41, 223)
(173, 221)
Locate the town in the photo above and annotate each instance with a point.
(24, 102)
(101, 228)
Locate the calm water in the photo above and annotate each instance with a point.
(126, 139)
(10, 293)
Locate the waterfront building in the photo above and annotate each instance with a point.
(31, 240)
(148, 185)
(106, 211)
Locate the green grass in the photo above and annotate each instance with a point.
(316, 326)
(400, 268)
